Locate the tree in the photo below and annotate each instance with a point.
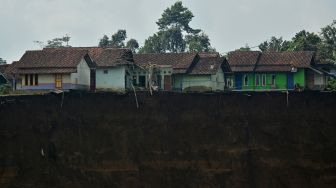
(154, 44)
(198, 43)
(55, 43)
(245, 48)
(133, 45)
(274, 45)
(177, 16)
(304, 41)
(2, 61)
(327, 47)
(175, 34)
(104, 42)
(118, 38)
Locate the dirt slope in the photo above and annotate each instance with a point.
(172, 140)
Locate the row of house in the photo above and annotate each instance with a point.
(115, 69)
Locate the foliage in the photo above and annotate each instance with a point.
(199, 43)
(5, 89)
(2, 61)
(324, 43)
(133, 45)
(327, 47)
(245, 48)
(332, 84)
(274, 45)
(118, 38)
(154, 44)
(118, 41)
(304, 41)
(56, 42)
(104, 42)
(175, 33)
(177, 16)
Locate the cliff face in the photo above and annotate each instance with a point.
(172, 140)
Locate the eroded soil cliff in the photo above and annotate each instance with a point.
(172, 140)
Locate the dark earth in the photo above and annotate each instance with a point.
(232, 140)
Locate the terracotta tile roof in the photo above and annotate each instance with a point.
(209, 63)
(243, 61)
(104, 57)
(269, 61)
(51, 58)
(301, 59)
(179, 61)
(114, 57)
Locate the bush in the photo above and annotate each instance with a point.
(332, 85)
(5, 89)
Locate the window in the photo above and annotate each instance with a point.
(229, 82)
(26, 80)
(257, 80)
(245, 80)
(36, 79)
(264, 80)
(31, 79)
(105, 71)
(142, 81)
(273, 80)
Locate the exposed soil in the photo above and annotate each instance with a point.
(228, 140)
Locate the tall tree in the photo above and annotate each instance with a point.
(2, 61)
(177, 16)
(133, 45)
(118, 38)
(175, 33)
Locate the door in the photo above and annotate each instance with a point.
(167, 83)
(92, 80)
(158, 80)
(290, 81)
(58, 81)
(238, 81)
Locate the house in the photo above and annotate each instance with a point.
(180, 71)
(87, 68)
(50, 69)
(114, 67)
(168, 69)
(206, 74)
(265, 71)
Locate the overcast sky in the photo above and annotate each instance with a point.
(230, 24)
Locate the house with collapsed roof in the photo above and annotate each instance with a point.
(264, 71)
(180, 71)
(72, 68)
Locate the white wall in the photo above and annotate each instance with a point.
(114, 79)
(82, 77)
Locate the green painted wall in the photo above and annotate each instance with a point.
(280, 81)
(299, 78)
(177, 82)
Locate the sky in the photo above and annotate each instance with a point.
(230, 24)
